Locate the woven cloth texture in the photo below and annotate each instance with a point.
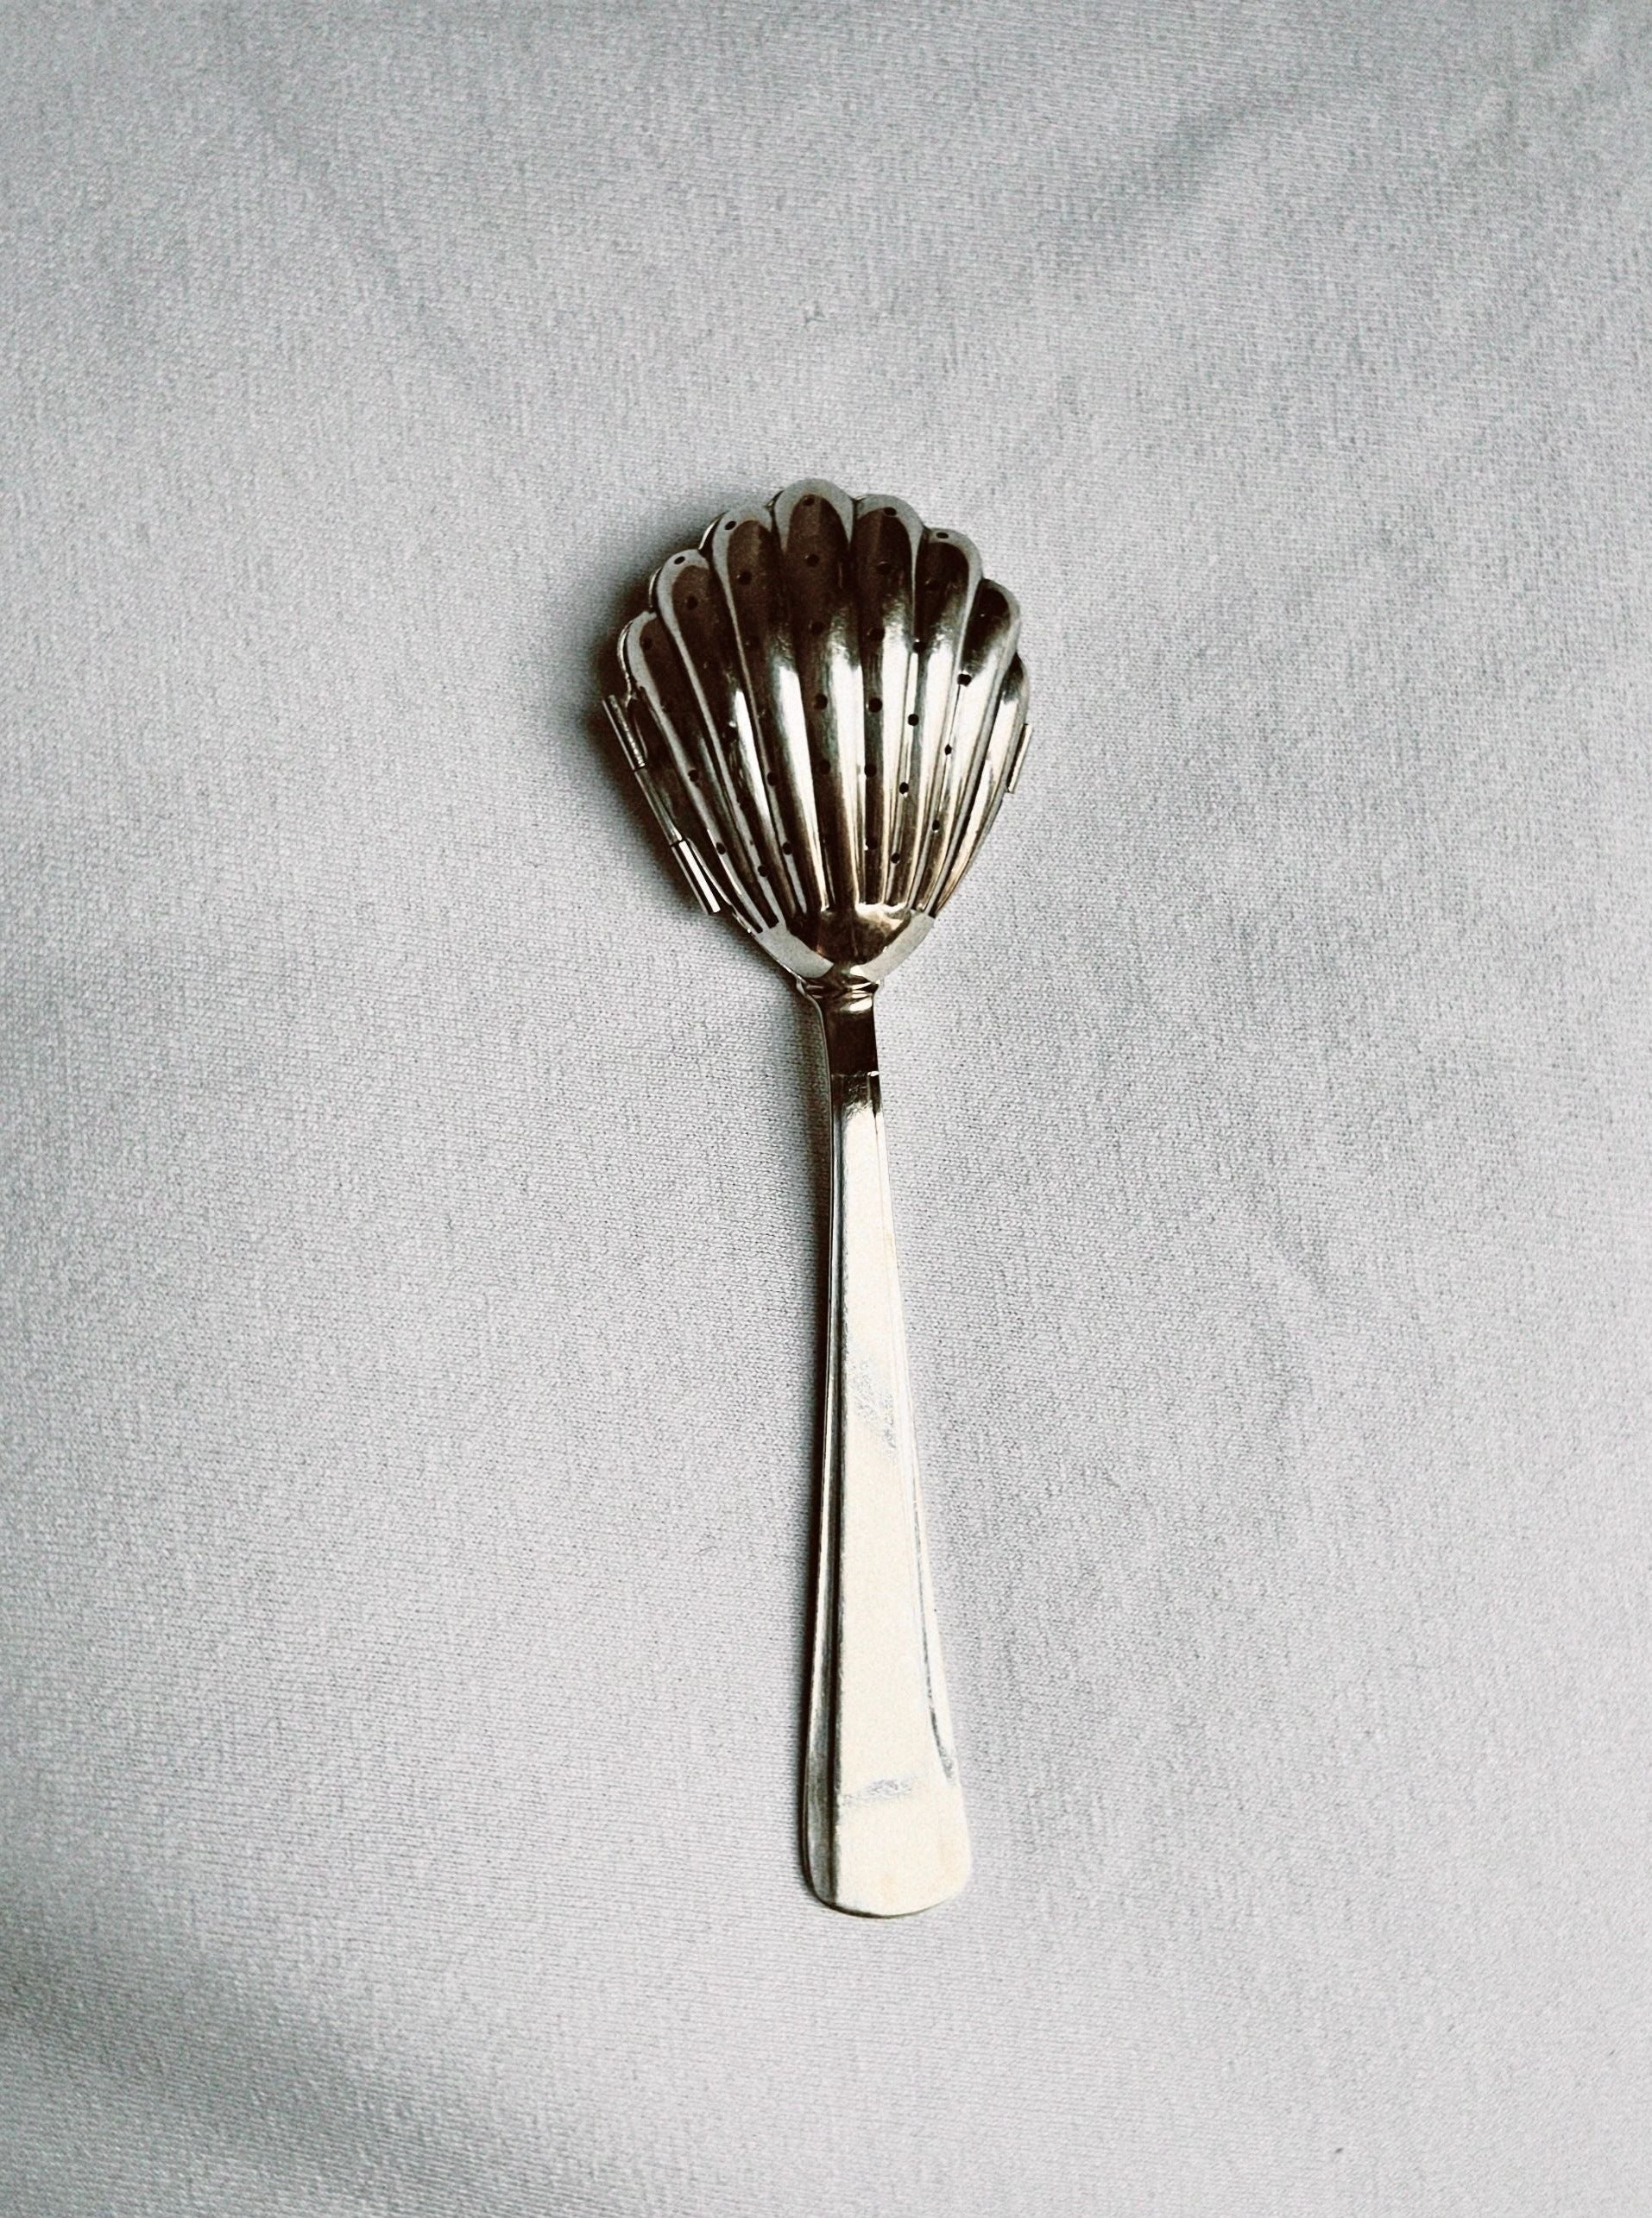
(413, 1205)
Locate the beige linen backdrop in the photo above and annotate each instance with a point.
(411, 1202)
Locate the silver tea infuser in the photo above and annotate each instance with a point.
(824, 707)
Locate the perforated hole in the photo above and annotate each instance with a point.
(876, 703)
(812, 561)
(912, 719)
(905, 788)
(742, 577)
(820, 701)
(691, 601)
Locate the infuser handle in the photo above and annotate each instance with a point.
(884, 1826)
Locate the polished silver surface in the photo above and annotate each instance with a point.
(825, 708)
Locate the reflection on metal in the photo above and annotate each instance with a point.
(824, 708)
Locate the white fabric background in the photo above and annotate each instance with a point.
(409, 1295)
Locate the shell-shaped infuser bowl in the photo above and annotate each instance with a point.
(825, 708)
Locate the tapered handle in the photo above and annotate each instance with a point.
(884, 1822)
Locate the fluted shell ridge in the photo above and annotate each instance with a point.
(825, 708)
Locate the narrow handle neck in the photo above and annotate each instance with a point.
(851, 1035)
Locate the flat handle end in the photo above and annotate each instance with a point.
(899, 1847)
